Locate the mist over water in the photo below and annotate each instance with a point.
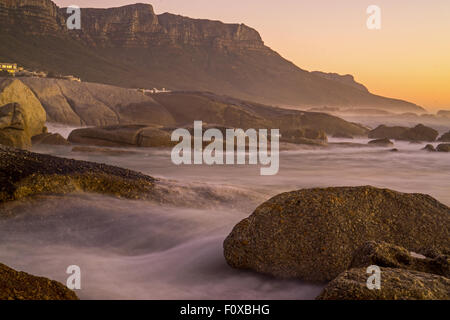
(137, 250)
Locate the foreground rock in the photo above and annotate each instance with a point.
(443, 147)
(445, 137)
(396, 284)
(16, 285)
(122, 136)
(24, 174)
(384, 254)
(312, 234)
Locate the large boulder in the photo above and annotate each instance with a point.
(445, 137)
(34, 116)
(420, 133)
(311, 234)
(94, 104)
(385, 132)
(396, 284)
(122, 136)
(13, 128)
(21, 114)
(16, 285)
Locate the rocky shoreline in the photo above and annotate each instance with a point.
(321, 235)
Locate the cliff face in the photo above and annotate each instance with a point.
(131, 46)
(137, 26)
(30, 16)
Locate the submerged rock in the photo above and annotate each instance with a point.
(16, 285)
(396, 284)
(430, 148)
(381, 142)
(443, 147)
(311, 234)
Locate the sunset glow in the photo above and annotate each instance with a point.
(407, 59)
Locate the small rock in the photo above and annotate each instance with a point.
(381, 142)
(430, 148)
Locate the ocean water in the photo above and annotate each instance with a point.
(138, 250)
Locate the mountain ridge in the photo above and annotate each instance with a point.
(131, 46)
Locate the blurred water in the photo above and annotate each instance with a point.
(135, 249)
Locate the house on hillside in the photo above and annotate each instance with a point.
(9, 67)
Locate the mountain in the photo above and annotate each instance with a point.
(131, 46)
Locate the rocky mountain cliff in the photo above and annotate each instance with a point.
(131, 46)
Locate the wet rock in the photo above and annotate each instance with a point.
(381, 142)
(24, 174)
(54, 139)
(443, 147)
(430, 148)
(16, 285)
(420, 133)
(396, 284)
(445, 137)
(385, 132)
(312, 234)
(122, 136)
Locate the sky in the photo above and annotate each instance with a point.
(408, 58)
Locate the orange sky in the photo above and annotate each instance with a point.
(409, 58)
